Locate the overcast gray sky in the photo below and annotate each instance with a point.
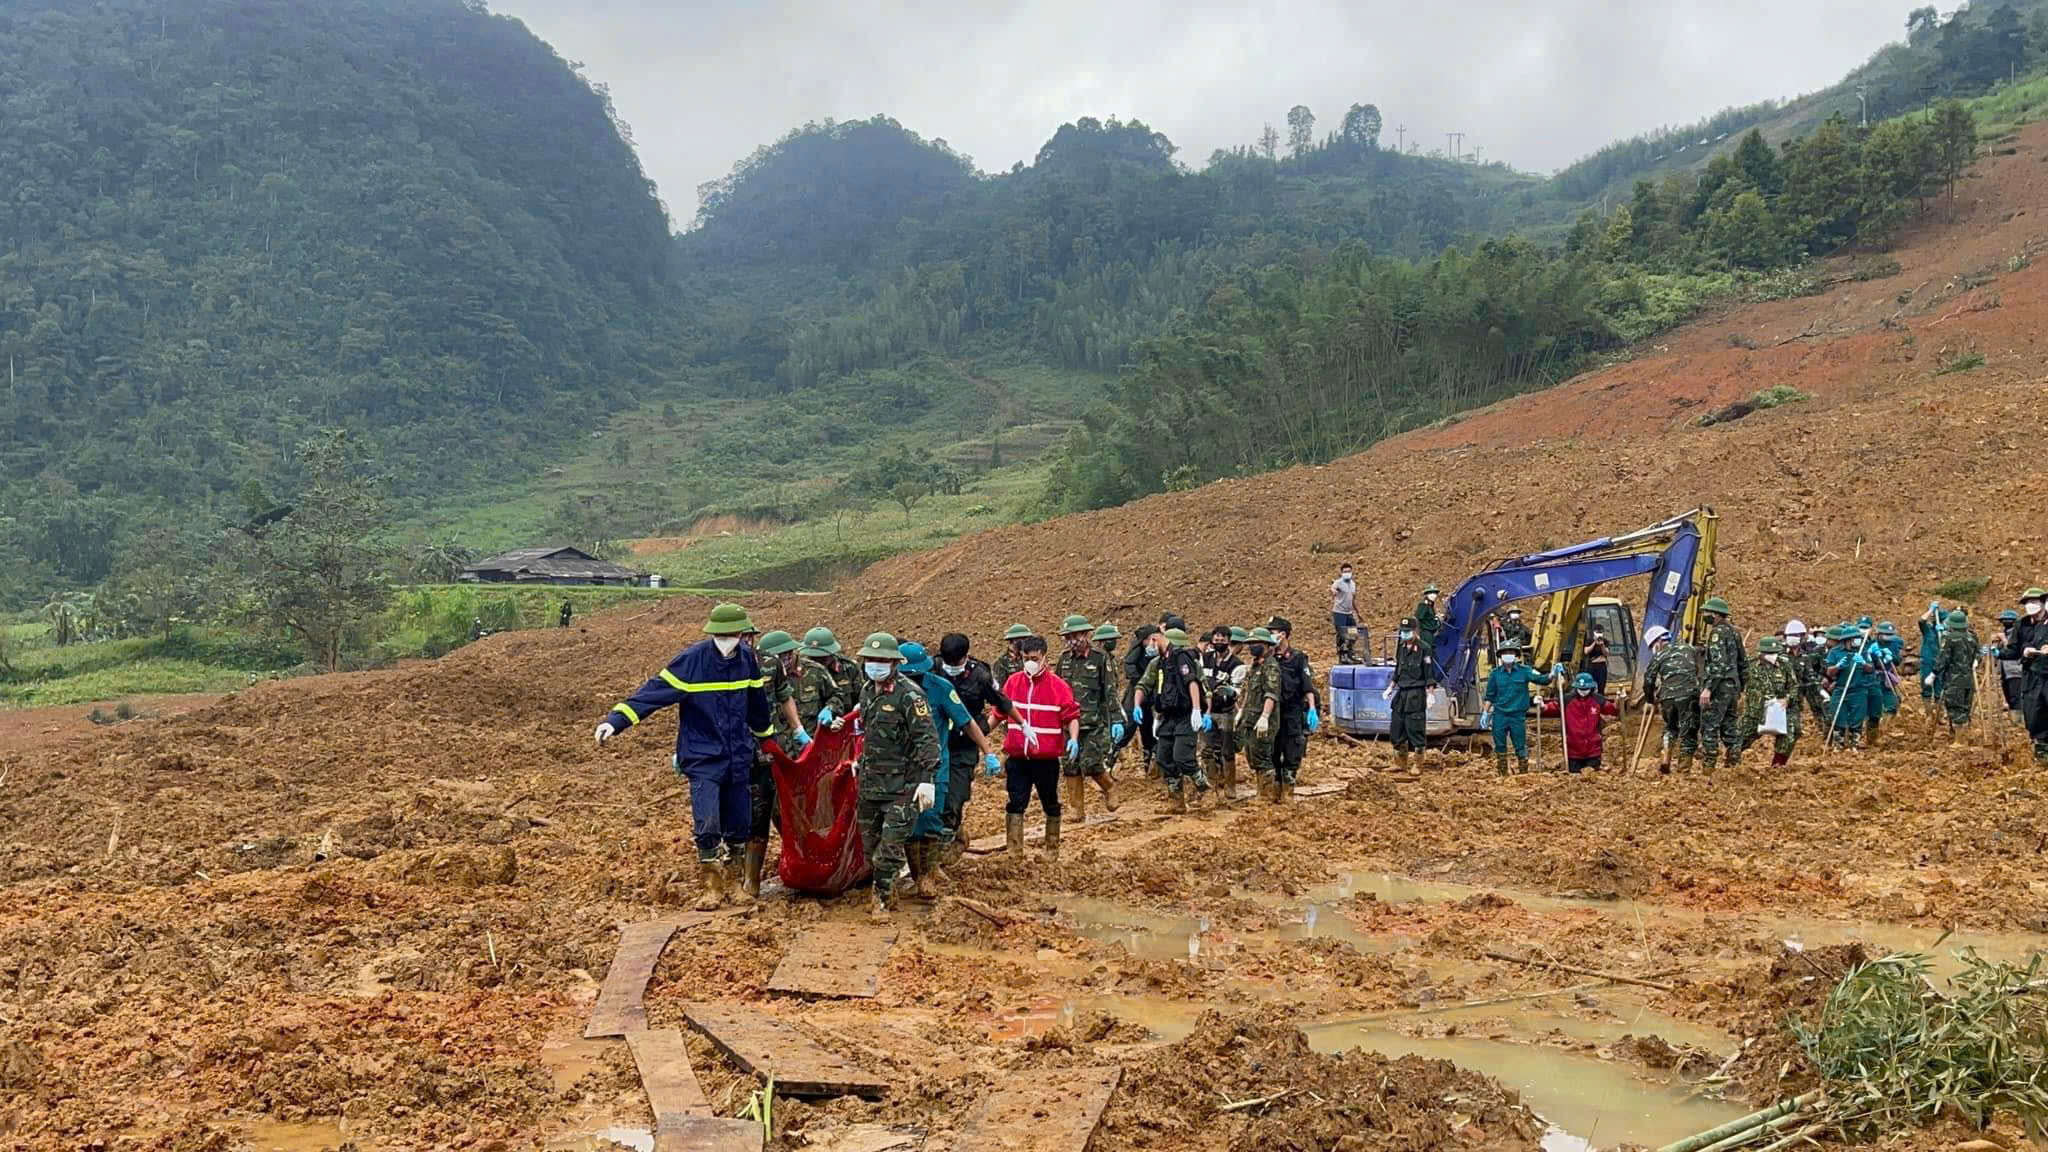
(1538, 84)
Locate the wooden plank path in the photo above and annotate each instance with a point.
(1044, 1112)
(765, 1046)
(841, 961)
(666, 1075)
(620, 1008)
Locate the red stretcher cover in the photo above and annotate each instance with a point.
(817, 799)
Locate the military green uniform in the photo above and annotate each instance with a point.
(1514, 632)
(1427, 622)
(1673, 681)
(812, 687)
(1725, 668)
(1093, 680)
(1955, 669)
(780, 687)
(1261, 683)
(899, 751)
(1772, 681)
(846, 677)
(1812, 664)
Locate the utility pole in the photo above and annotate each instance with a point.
(1401, 138)
(1454, 140)
(1863, 101)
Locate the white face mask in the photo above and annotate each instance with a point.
(1770, 657)
(2033, 607)
(954, 669)
(878, 670)
(1407, 635)
(1429, 596)
(1033, 667)
(1510, 659)
(726, 645)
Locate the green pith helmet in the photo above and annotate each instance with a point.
(1432, 588)
(1407, 624)
(820, 642)
(1863, 624)
(1239, 636)
(1261, 636)
(1108, 632)
(1177, 637)
(1841, 632)
(1716, 605)
(1074, 623)
(1887, 628)
(1957, 621)
(776, 643)
(2034, 594)
(880, 646)
(1511, 645)
(1770, 646)
(728, 620)
(1017, 632)
(2008, 617)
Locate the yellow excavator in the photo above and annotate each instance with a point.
(1559, 633)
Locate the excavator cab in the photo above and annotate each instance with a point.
(1568, 617)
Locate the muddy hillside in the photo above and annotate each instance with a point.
(374, 911)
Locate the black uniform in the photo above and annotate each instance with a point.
(1290, 746)
(2032, 633)
(978, 692)
(1415, 672)
(1135, 661)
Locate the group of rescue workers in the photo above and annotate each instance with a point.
(1055, 725)
(1060, 723)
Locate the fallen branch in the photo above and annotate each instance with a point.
(1616, 977)
(1000, 917)
(1241, 1105)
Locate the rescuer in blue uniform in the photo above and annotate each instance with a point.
(722, 714)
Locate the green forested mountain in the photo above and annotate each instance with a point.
(228, 222)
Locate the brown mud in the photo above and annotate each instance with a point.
(182, 968)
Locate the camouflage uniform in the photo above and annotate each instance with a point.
(1955, 672)
(1516, 631)
(1673, 681)
(1725, 668)
(1094, 683)
(813, 687)
(1216, 749)
(1812, 663)
(1767, 682)
(899, 751)
(780, 687)
(1261, 683)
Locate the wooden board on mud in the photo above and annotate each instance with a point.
(834, 960)
(764, 1045)
(708, 1134)
(1032, 835)
(666, 1075)
(1055, 1112)
(619, 1009)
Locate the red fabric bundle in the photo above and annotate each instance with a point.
(817, 797)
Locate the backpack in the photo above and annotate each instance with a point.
(1176, 695)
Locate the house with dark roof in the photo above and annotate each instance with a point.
(550, 566)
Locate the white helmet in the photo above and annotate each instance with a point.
(1653, 634)
(1794, 628)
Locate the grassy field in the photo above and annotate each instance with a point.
(681, 459)
(191, 660)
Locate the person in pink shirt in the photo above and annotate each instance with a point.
(1048, 727)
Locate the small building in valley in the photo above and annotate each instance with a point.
(551, 566)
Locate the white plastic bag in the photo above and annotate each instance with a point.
(1774, 719)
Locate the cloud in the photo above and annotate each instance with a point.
(1537, 84)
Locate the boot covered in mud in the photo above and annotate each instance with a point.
(1108, 787)
(750, 869)
(1402, 758)
(1013, 833)
(1685, 762)
(711, 878)
(1076, 800)
(1052, 838)
(878, 908)
(1176, 798)
(1283, 791)
(1521, 765)
(913, 855)
(1500, 763)
(929, 875)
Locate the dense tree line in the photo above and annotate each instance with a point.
(1309, 359)
(229, 222)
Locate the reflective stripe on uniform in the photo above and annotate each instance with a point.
(626, 710)
(765, 734)
(712, 685)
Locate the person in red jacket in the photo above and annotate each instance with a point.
(1582, 713)
(1046, 713)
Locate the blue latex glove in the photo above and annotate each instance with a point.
(991, 765)
(803, 739)
(1137, 713)
(824, 715)
(1207, 720)
(1557, 671)
(1315, 719)
(1486, 717)
(1116, 733)
(1073, 749)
